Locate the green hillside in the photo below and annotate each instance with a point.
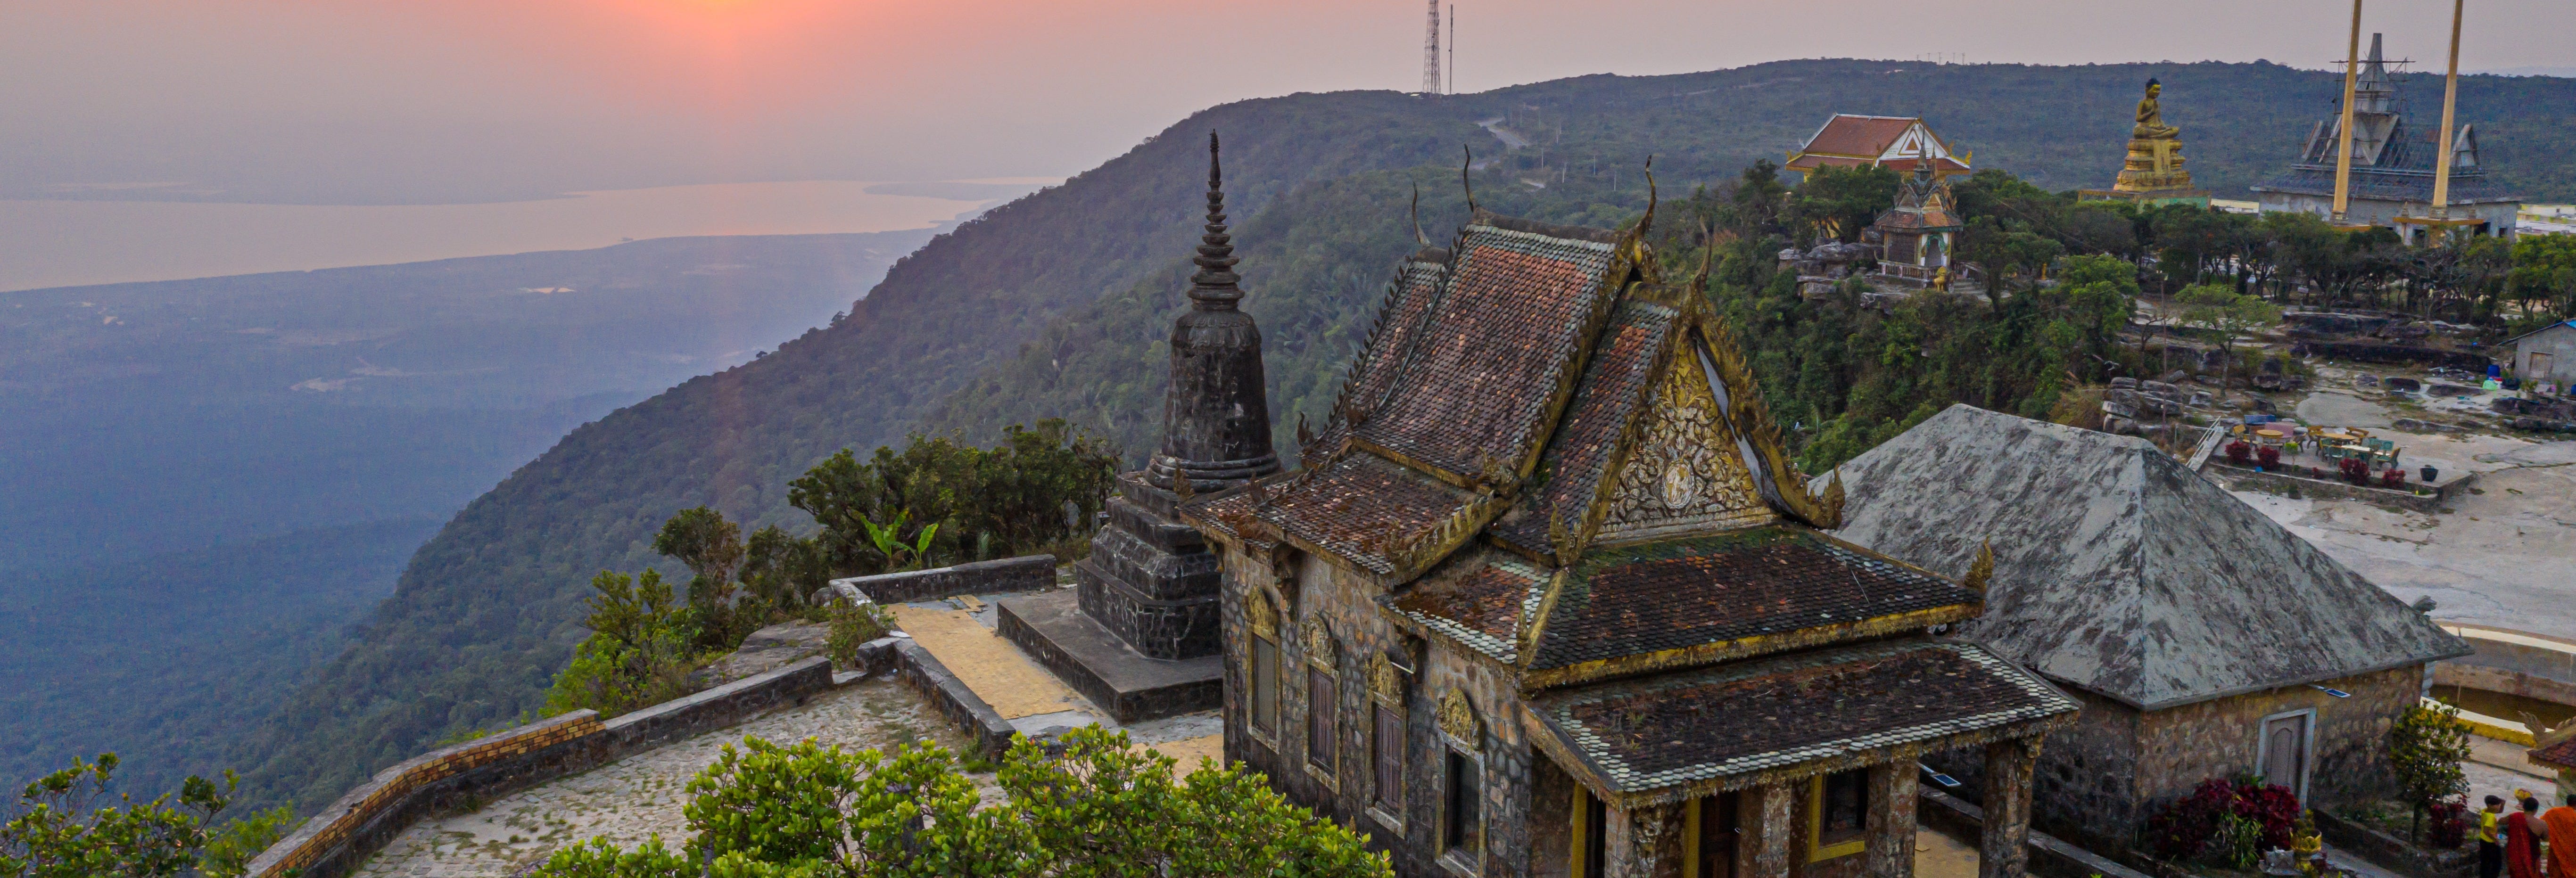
(1057, 305)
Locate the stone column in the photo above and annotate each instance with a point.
(1643, 843)
(1763, 849)
(1891, 818)
(2004, 851)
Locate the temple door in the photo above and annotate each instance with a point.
(2285, 753)
(1714, 848)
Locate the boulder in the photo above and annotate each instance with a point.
(2450, 390)
(2175, 376)
(2118, 410)
(2403, 385)
(2366, 381)
(2125, 383)
(2159, 388)
(2119, 425)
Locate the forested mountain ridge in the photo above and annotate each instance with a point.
(1057, 304)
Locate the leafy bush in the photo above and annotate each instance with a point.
(941, 500)
(1096, 810)
(853, 625)
(2221, 818)
(65, 825)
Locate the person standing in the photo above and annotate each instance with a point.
(2522, 831)
(2490, 843)
(2560, 823)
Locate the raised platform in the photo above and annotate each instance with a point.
(1052, 629)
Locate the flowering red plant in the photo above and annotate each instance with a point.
(2271, 457)
(2181, 829)
(2395, 478)
(2355, 470)
(2239, 452)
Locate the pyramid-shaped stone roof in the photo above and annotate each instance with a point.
(2119, 570)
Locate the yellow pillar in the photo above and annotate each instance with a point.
(2351, 75)
(2450, 102)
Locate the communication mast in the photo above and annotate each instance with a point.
(1431, 53)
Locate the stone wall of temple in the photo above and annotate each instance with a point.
(2185, 745)
(2101, 779)
(1342, 602)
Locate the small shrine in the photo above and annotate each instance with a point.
(1915, 237)
(2154, 172)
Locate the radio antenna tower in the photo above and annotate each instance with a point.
(1431, 53)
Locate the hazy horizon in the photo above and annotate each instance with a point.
(304, 102)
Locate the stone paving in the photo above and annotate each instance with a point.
(641, 795)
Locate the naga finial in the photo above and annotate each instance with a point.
(1982, 570)
(1465, 181)
(1418, 236)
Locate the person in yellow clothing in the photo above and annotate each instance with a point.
(2561, 823)
(2491, 845)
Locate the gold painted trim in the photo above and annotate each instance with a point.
(1587, 775)
(1457, 719)
(1317, 644)
(1742, 647)
(1691, 817)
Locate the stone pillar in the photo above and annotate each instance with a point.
(1770, 834)
(1892, 795)
(2004, 851)
(1643, 843)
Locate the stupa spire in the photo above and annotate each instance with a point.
(1216, 414)
(1214, 288)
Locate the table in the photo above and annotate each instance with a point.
(2337, 436)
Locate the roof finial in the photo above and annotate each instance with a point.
(1418, 236)
(1647, 223)
(1466, 182)
(1213, 287)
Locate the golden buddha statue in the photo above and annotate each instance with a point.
(2151, 117)
(2155, 150)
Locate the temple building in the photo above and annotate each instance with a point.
(1915, 237)
(2154, 172)
(1547, 598)
(1901, 143)
(2392, 166)
(2203, 639)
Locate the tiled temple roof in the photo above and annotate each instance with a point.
(1480, 598)
(1677, 735)
(1726, 588)
(1363, 508)
(1614, 387)
(1402, 319)
(1475, 390)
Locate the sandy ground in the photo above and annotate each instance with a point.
(2504, 554)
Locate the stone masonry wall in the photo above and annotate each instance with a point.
(334, 842)
(2100, 779)
(2186, 745)
(1024, 573)
(1343, 602)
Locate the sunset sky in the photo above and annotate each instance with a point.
(478, 99)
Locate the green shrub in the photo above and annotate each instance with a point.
(853, 625)
(637, 654)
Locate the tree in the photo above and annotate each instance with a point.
(1839, 202)
(1093, 809)
(2221, 309)
(2544, 272)
(983, 503)
(784, 570)
(637, 653)
(2425, 748)
(65, 825)
(712, 548)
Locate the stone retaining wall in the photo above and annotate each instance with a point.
(1024, 573)
(2427, 503)
(333, 843)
